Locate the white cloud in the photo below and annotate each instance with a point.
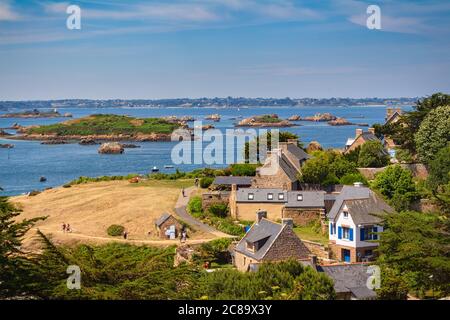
(6, 13)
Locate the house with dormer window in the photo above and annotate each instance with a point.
(354, 226)
(268, 241)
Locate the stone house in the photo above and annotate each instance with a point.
(354, 224)
(281, 167)
(168, 227)
(268, 241)
(393, 115)
(300, 206)
(360, 138)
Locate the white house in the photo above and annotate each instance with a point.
(353, 224)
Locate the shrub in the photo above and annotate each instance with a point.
(351, 178)
(404, 155)
(433, 134)
(205, 182)
(194, 206)
(219, 210)
(243, 169)
(373, 155)
(115, 230)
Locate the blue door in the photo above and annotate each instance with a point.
(346, 255)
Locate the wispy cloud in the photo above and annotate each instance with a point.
(7, 13)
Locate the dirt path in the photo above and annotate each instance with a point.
(180, 209)
(78, 236)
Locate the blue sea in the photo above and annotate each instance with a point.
(22, 166)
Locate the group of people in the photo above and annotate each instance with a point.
(183, 235)
(66, 227)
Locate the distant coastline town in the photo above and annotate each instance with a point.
(231, 102)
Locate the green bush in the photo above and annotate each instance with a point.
(219, 210)
(205, 182)
(373, 155)
(194, 206)
(115, 230)
(226, 225)
(243, 169)
(404, 155)
(350, 178)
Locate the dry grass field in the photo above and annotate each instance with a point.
(91, 208)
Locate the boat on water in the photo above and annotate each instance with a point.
(155, 169)
(168, 166)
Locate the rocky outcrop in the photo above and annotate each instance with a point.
(295, 117)
(111, 148)
(4, 133)
(67, 115)
(213, 117)
(6, 146)
(205, 127)
(318, 117)
(87, 142)
(35, 113)
(56, 141)
(129, 146)
(313, 146)
(340, 122)
(264, 121)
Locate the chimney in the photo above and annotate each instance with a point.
(260, 214)
(371, 130)
(399, 110)
(358, 184)
(313, 259)
(358, 132)
(287, 222)
(389, 112)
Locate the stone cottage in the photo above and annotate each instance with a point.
(268, 241)
(168, 227)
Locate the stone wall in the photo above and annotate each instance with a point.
(287, 246)
(303, 216)
(211, 198)
(166, 224)
(426, 206)
(317, 249)
(278, 181)
(418, 170)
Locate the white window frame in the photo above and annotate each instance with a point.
(251, 196)
(299, 197)
(281, 196)
(270, 196)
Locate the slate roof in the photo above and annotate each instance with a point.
(362, 204)
(162, 219)
(288, 168)
(350, 278)
(362, 211)
(299, 153)
(259, 195)
(311, 199)
(393, 116)
(229, 180)
(261, 230)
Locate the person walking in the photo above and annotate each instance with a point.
(125, 235)
(64, 227)
(182, 192)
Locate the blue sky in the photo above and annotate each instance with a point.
(207, 48)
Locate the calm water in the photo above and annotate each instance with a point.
(22, 166)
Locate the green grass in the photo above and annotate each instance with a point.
(180, 183)
(268, 119)
(107, 124)
(310, 233)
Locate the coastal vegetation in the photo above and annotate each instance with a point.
(115, 230)
(414, 254)
(104, 125)
(330, 167)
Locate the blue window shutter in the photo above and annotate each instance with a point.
(339, 232)
(331, 227)
(375, 236)
(361, 234)
(350, 231)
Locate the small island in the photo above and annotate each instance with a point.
(267, 120)
(103, 127)
(35, 113)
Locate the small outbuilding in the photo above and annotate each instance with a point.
(168, 227)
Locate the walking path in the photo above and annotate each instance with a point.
(180, 209)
